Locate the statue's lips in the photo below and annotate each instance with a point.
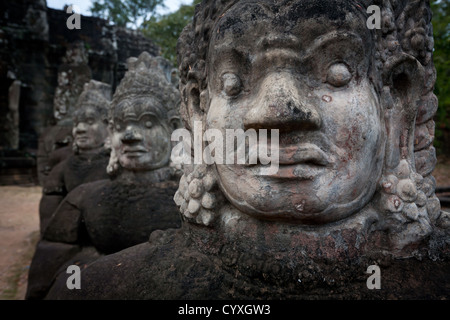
(134, 152)
(303, 161)
(305, 153)
(82, 138)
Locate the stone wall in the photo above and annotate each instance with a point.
(33, 42)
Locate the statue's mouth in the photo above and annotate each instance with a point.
(134, 152)
(82, 138)
(302, 161)
(305, 153)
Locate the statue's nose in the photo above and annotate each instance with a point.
(280, 105)
(131, 135)
(81, 128)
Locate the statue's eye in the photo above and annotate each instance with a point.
(90, 121)
(339, 75)
(231, 84)
(147, 121)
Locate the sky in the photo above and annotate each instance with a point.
(83, 5)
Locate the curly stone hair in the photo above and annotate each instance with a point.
(405, 39)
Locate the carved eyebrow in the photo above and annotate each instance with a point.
(342, 37)
(134, 117)
(271, 41)
(147, 114)
(275, 55)
(224, 50)
(292, 42)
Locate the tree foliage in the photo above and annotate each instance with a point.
(124, 13)
(164, 30)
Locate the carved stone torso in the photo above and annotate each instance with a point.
(138, 210)
(78, 169)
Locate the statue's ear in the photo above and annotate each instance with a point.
(403, 197)
(403, 79)
(175, 123)
(193, 110)
(193, 104)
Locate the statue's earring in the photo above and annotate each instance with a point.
(403, 192)
(107, 144)
(113, 164)
(198, 195)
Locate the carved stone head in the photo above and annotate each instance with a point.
(90, 130)
(142, 117)
(353, 107)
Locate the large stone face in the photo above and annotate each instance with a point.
(316, 91)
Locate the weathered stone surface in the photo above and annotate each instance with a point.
(54, 145)
(33, 42)
(113, 214)
(66, 176)
(171, 266)
(62, 255)
(12, 117)
(73, 74)
(351, 190)
(90, 149)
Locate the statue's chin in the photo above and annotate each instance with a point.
(319, 213)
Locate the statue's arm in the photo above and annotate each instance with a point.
(53, 193)
(50, 259)
(65, 224)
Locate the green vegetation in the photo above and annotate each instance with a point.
(165, 30)
(122, 13)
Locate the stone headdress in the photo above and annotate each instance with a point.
(146, 78)
(404, 77)
(97, 95)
